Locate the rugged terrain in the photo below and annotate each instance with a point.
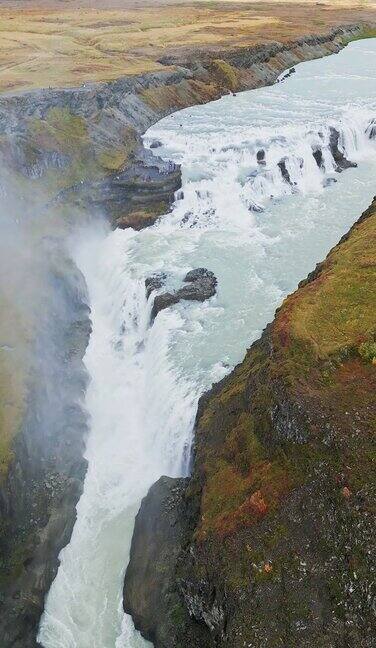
(76, 152)
(271, 541)
(82, 147)
(44, 330)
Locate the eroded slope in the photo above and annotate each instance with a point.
(274, 532)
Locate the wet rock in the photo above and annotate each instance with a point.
(200, 285)
(328, 182)
(163, 301)
(255, 207)
(156, 545)
(317, 154)
(284, 171)
(341, 161)
(260, 156)
(200, 274)
(371, 129)
(154, 282)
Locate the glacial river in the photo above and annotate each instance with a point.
(260, 233)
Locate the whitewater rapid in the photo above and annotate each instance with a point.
(260, 234)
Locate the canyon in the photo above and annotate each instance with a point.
(77, 153)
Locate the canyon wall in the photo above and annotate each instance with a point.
(271, 541)
(78, 152)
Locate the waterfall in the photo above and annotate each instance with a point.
(269, 185)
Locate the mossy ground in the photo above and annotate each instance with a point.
(367, 32)
(284, 473)
(78, 143)
(323, 341)
(226, 74)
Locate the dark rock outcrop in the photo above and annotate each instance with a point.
(200, 285)
(156, 544)
(284, 172)
(133, 197)
(317, 154)
(339, 158)
(154, 282)
(371, 129)
(275, 543)
(260, 156)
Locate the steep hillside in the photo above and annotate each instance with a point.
(271, 541)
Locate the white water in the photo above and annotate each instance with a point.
(145, 381)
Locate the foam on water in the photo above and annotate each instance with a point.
(260, 233)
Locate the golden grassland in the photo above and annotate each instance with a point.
(66, 44)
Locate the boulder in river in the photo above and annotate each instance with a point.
(283, 168)
(329, 181)
(341, 161)
(371, 129)
(317, 154)
(154, 282)
(200, 284)
(260, 156)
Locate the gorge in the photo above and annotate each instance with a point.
(146, 376)
(271, 180)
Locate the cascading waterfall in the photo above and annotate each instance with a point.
(259, 207)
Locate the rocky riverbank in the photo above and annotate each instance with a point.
(271, 541)
(82, 146)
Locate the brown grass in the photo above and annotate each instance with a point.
(53, 44)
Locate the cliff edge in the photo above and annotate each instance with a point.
(271, 541)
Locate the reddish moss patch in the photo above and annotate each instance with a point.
(317, 368)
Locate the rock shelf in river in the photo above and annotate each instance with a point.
(200, 284)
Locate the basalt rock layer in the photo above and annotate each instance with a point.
(83, 145)
(271, 541)
(199, 284)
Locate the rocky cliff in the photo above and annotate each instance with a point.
(82, 146)
(271, 541)
(44, 329)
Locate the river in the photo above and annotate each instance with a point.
(260, 233)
